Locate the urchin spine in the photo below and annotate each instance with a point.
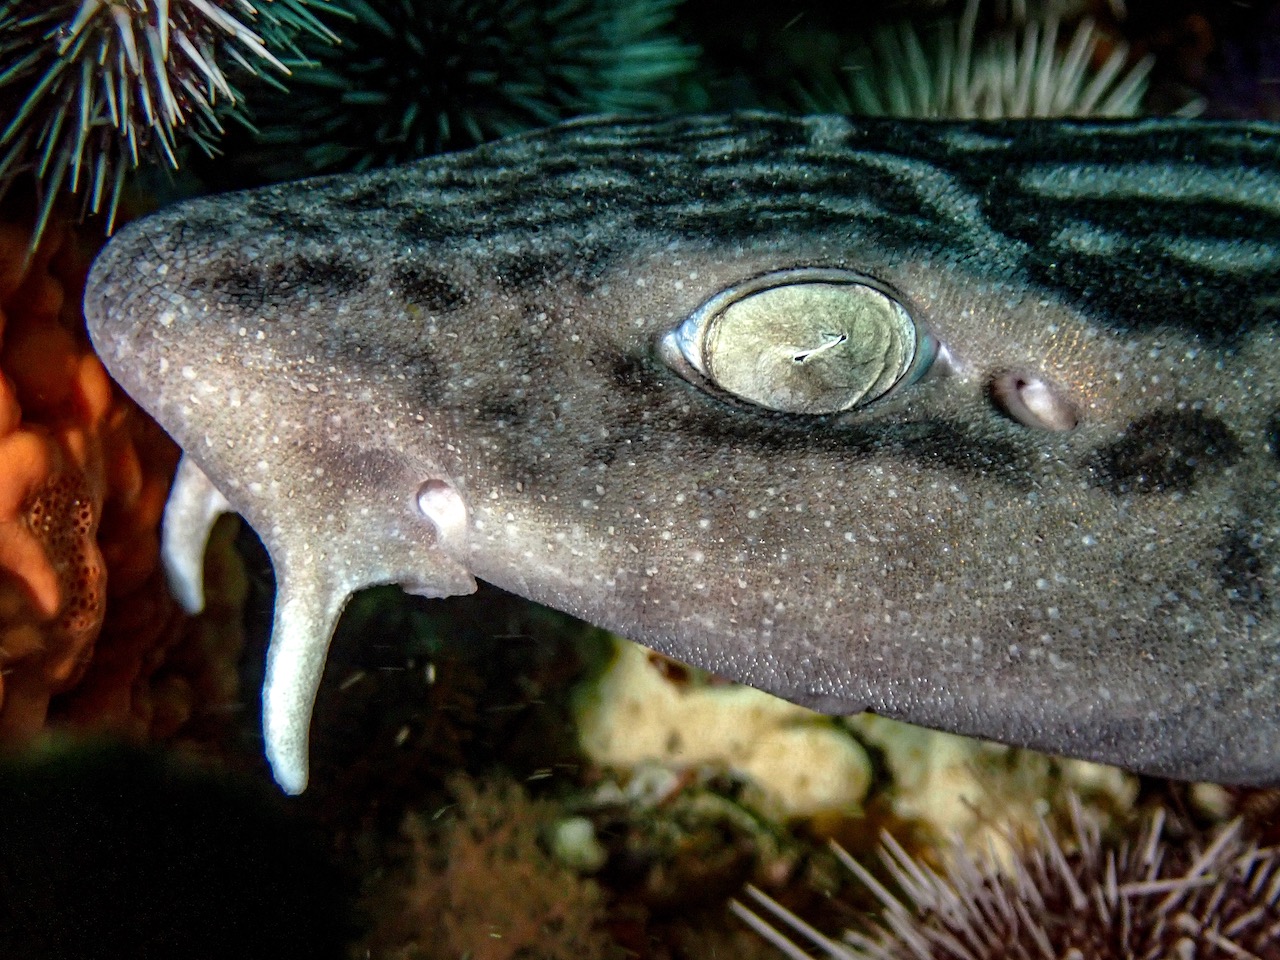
(955, 75)
(96, 87)
(1146, 898)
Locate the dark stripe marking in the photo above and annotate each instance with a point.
(1164, 452)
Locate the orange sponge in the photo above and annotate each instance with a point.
(54, 401)
(83, 479)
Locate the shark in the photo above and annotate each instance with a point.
(976, 425)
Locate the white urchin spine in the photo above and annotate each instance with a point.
(1008, 74)
(1142, 899)
(100, 84)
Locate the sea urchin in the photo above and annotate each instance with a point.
(95, 87)
(1081, 900)
(413, 77)
(952, 74)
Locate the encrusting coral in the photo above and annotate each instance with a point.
(798, 762)
(83, 480)
(989, 796)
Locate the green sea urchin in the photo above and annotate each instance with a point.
(413, 77)
(93, 88)
(1150, 898)
(1008, 74)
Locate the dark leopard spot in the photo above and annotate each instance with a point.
(253, 285)
(1165, 452)
(425, 226)
(1242, 569)
(526, 270)
(427, 288)
(375, 196)
(633, 376)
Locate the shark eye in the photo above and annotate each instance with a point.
(810, 341)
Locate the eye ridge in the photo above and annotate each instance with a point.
(750, 341)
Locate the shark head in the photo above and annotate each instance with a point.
(974, 425)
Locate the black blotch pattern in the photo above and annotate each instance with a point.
(425, 226)
(1273, 435)
(754, 178)
(428, 288)
(781, 133)
(604, 454)
(240, 281)
(428, 384)
(963, 450)
(595, 257)
(293, 224)
(517, 272)
(632, 376)
(329, 276)
(508, 410)
(931, 442)
(256, 285)
(372, 196)
(1164, 452)
(499, 212)
(1242, 570)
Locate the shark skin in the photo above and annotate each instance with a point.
(973, 425)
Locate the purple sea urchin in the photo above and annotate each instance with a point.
(413, 77)
(1082, 900)
(92, 88)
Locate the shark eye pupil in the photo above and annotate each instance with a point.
(833, 340)
(808, 341)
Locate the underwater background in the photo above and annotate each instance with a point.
(492, 779)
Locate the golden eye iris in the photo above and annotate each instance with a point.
(810, 341)
(810, 347)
